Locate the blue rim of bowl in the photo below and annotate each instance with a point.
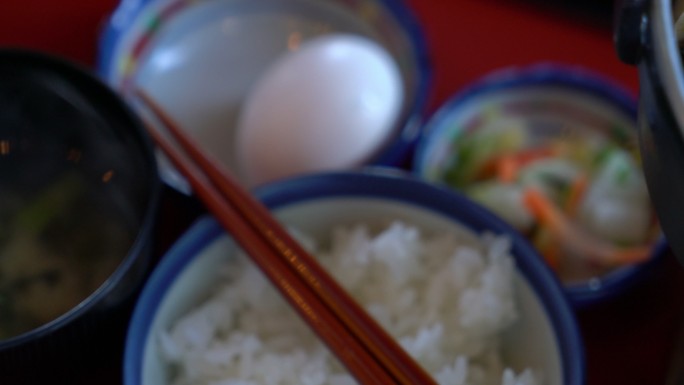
(581, 295)
(402, 144)
(204, 231)
(394, 185)
(82, 75)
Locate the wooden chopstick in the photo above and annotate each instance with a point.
(368, 352)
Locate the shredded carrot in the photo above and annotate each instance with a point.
(544, 210)
(535, 153)
(487, 170)
(620, 256)
(577, 190)
(552, 256)
(549, 215)
(548, 247)
(499, 165)
(507, 169)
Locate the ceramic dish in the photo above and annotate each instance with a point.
(200, 58)
(544, 337)
(554, 102)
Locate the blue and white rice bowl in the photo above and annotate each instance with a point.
(174, 324)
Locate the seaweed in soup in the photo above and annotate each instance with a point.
(58, 246)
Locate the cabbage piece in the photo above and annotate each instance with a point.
(473, 150)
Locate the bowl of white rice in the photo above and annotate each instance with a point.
(461, 291)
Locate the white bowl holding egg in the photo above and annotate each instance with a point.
(541, 336)
(202, 59)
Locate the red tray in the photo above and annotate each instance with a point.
(628, 341)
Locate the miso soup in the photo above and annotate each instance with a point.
(61, 236)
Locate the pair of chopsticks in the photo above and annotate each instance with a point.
(367, 351)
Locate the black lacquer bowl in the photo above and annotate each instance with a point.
(78, 196)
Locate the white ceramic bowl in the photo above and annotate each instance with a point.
(553, 99)
(545, 336)
(200, 58)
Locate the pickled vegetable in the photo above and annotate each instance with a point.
(580, 197)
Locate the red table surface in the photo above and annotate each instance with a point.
(627, 341)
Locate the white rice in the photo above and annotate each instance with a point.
(446, 298)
